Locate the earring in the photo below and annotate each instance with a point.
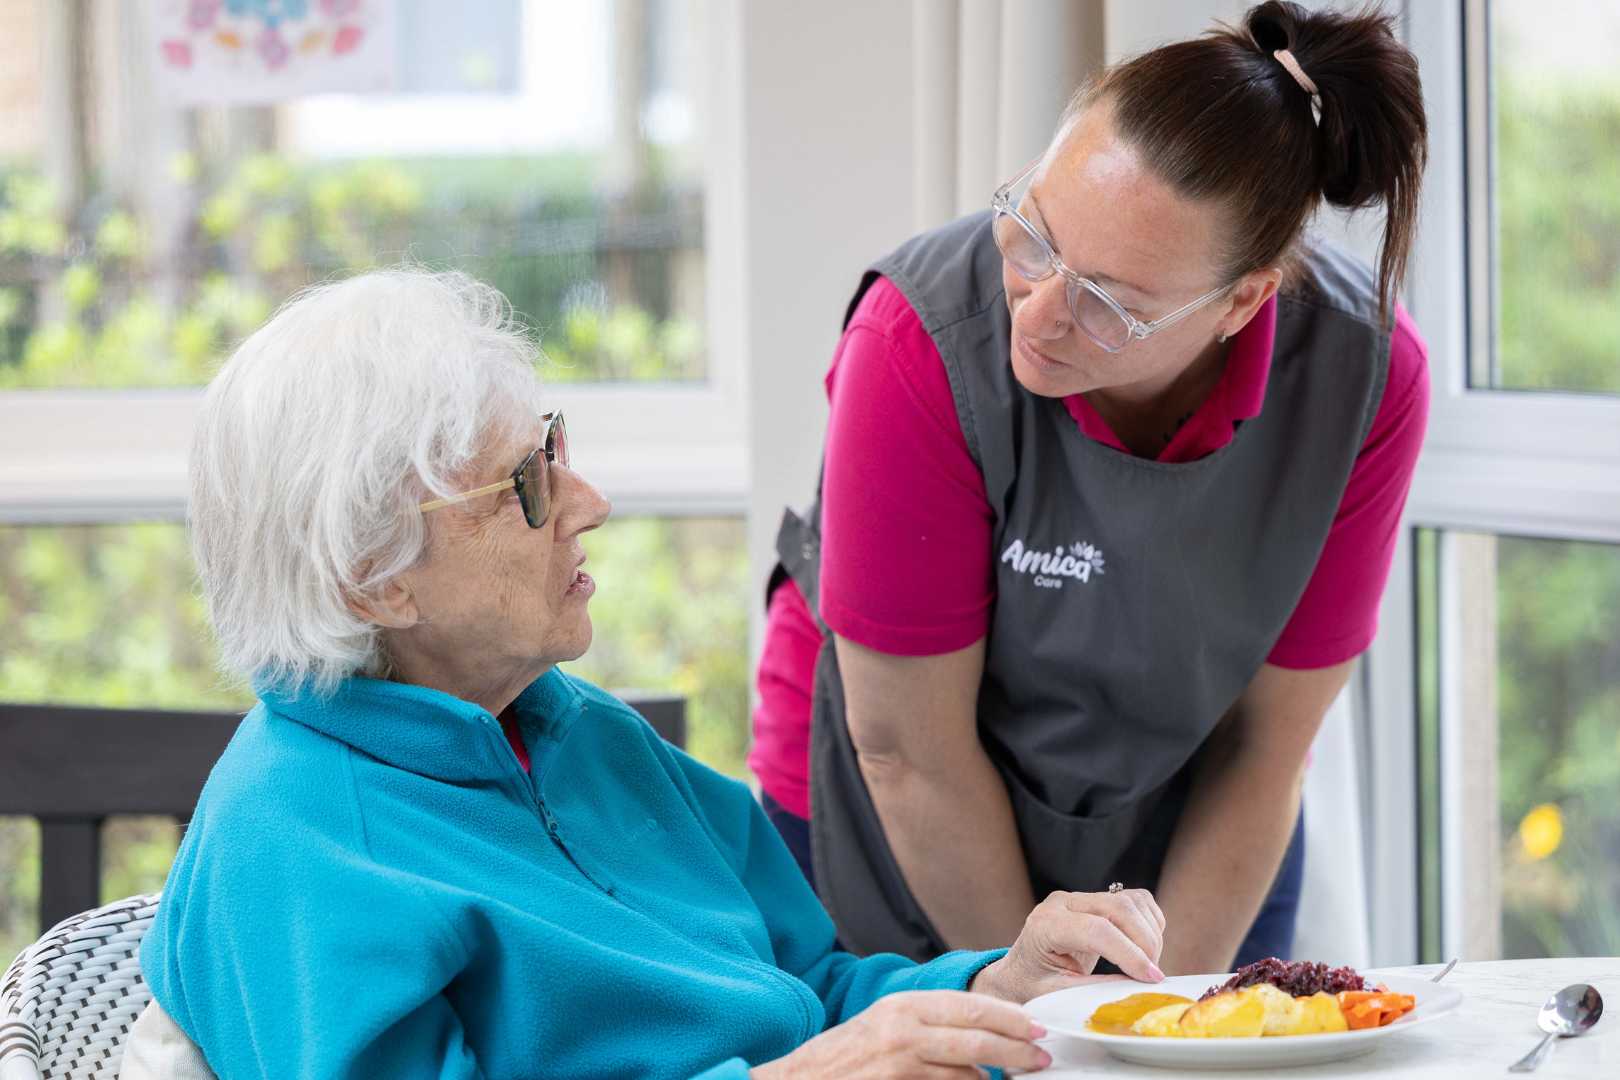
(1221, 338)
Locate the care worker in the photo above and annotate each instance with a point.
(1110, 493)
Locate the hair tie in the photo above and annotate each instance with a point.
(1286, 59)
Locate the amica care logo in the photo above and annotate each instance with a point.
(1077, 561)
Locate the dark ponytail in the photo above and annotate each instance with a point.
(1220, 118)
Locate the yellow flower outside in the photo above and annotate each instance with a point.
(1541, 831)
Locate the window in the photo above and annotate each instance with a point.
(138, 250)
(563, 152)
(1550, 133)
(1529, 657)
(106, 615)
(148, 222)
(671, 614)
(1494, 684)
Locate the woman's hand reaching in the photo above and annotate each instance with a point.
(1067, 934)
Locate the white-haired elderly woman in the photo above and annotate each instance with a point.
(429, 852)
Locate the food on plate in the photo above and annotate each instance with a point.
(1319, 1015)
(1283, 1011)
(1116, 1017)
(1301, 978)
(1226, 1016)
(1269, 998)
(1374, 1008)
(1244, 1014)
(1163, 1022)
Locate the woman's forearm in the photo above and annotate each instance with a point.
(1239, 815)
(943, 807)
(1222, 860)
(950, 826)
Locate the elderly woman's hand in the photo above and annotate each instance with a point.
(939, 1033)
(1067, 934)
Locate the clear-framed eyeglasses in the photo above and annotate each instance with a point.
(1027, 250)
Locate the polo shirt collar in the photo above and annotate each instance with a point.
(1238, 395)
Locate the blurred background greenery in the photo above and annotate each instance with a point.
(1556, 162)
(82, 303)
(1558, 232)
(1559, 746)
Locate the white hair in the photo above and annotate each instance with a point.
(317, 440)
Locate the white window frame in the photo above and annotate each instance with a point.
(105, 456)
(1511, 462)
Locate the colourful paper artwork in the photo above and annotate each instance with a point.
(223, 52)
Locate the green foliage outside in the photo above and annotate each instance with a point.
(84, 301)
(106, 615)
(1558, 236)
(109, 615)
(1558, 255)
(671, 614)
(19, 885)
(1559, 686)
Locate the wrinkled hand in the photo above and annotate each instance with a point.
(1067, 933)
(928, 1033)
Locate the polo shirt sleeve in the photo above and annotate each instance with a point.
(906, 526)
(1337, 616)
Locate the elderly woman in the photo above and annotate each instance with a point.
(429, 851)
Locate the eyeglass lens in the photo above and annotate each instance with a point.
(535, 489)
(1029, 256)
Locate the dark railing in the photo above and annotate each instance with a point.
(73, 767)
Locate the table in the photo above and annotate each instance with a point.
(1494, 1028)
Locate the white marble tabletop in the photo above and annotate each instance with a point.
(1494, 1028)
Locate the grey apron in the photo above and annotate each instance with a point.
(1134, 599)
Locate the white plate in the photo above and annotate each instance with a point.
(1066, 1012)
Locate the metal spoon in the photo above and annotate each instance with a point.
(1570, 1012)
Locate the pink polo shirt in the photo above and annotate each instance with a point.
(906, 560)
(509, 728)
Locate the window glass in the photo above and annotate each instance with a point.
(1554, 126)
(150, 217)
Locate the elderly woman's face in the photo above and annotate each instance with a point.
(493, 593)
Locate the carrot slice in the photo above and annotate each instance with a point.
(1399, 1005)
(1374, 1008)
(1365, 1008)
(1363, 1016)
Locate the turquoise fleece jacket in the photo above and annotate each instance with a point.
(372, 886)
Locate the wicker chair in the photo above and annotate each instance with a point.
(67, 1003)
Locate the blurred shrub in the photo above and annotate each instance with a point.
(85, 301)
